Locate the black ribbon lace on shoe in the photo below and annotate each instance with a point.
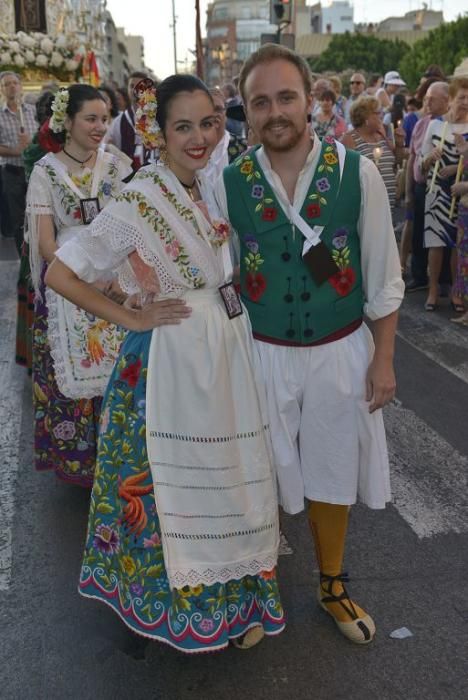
(326, 585)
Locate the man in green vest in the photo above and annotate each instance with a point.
(317, 252)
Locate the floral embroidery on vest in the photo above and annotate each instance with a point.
(247, 168)
(313, 210)
(323, 192)
(255, 282)
(264, 207)
(322, 185)
(343, 280)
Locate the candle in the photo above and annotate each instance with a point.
(21, 115)
(457, 180)
(437, 165)
(377, 153)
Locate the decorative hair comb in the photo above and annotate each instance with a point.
(146, 123)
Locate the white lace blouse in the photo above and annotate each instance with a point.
(154, 216)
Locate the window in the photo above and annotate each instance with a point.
(220, 13)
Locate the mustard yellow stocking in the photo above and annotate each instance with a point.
(329, 525)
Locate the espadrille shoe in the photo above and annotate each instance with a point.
(360, 627)
(248, 640)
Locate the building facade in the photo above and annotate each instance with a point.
(415, 20)
(116, 55)
(233, 31)
(336, 18)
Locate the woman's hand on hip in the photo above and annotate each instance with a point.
(166, 312)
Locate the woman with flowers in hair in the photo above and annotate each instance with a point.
(73, 352)
(183, 528)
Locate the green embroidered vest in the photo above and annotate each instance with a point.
(285, 305)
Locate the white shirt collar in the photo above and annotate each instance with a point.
(303, 181)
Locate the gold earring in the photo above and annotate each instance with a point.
(163, 155)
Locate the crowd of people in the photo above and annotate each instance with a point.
(195, 267)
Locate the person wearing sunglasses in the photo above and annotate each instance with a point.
(357, 86)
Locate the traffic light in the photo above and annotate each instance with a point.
(281, 11)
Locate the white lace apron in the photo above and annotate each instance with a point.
(208, 440)
(208, 446)
(84, 349)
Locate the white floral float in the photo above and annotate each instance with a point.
(37, 56)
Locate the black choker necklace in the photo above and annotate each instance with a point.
(187, 187)
(81, 162)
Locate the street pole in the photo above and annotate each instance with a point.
(174, 37)
(198, 40)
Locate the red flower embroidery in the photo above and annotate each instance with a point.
(256, 285)
(164, 188)
(131, 373)
(77, 213)
(343, 281)
(269, 214)
(313, 211)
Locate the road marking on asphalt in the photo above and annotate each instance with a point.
(437, 338)
(12, 382)
(429, 477)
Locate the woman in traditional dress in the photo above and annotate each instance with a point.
(439, 147)
(73, 353)
(183, 527)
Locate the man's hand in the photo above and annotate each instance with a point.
(380, 383)
(23, 141)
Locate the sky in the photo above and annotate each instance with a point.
(152, 19)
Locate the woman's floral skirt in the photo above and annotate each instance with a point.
(65, 430)
(123, 563)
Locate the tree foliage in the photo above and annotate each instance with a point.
(447, 46)
(361, 52)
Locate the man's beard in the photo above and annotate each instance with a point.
(271, 142)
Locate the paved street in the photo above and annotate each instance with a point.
(409, 563)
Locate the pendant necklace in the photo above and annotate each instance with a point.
(189, 188)
(80, 162)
